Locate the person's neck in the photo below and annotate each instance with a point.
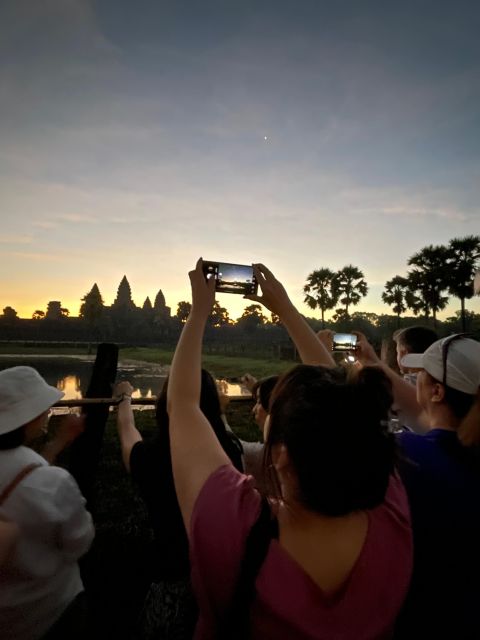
(441, 417)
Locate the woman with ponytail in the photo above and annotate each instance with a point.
(327, 554)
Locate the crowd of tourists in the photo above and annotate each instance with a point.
(334, 526)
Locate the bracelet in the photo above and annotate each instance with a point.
(124, 396)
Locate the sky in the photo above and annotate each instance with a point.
(137, 136)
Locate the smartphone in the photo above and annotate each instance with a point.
(231, 278)
(344, 342)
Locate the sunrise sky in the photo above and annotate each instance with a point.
(138, 135)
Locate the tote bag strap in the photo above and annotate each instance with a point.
(23, 473)
(235, 625)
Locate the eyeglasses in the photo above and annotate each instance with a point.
(445, 347)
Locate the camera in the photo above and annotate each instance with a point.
(231, 278)
(344, 342)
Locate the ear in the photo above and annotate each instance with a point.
(438, 392)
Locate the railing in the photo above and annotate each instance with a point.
(84, 454)
(150, 400)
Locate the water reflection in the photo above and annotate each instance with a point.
(72, 375)
(146, 379)
(232, 389)
(71, 387)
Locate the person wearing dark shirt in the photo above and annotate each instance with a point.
(442, 478)
(149, 463)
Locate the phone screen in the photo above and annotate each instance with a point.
(231, 278)
(344, 342)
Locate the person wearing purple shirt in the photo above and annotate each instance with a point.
(442, 479)
(337, 559)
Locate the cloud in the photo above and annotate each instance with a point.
(457, 203)
(67, 23)
(6, 239)
(128, 220)
(150, 132)
(50, 52)
(81, 218)
(425, 212)
(37, 257)
(45, 224)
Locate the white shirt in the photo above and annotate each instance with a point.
(42, 577)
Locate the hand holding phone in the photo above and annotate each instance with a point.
(203, 291)
(274, 297)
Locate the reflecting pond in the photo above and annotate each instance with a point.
(72, 374)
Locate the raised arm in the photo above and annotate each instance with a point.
(275, 298)
(127, 431)
(68, 430)
(404, 393)
(195, 450)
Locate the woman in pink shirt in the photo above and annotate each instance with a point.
(334, 559)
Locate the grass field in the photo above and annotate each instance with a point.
(44, 349)
(221, 366)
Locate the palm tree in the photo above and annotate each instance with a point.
(350, 286)
(395, 294)
(463, 262)
(413, 300)
(320, 291)
(429, 279)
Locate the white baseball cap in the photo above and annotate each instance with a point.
(462, 360)
(24, 395)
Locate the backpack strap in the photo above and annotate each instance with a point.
(236, 623)
(23, 473)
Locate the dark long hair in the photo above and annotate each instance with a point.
(264, 386)
(157, 486)
(210, 407)
(334, 426)
(12, 439)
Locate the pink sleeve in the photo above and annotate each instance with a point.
(223, 515)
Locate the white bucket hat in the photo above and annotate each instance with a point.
(24, 395)
(462, 362)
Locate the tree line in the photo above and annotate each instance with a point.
(436, 273)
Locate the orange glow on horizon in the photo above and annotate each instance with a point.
(30, 299)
